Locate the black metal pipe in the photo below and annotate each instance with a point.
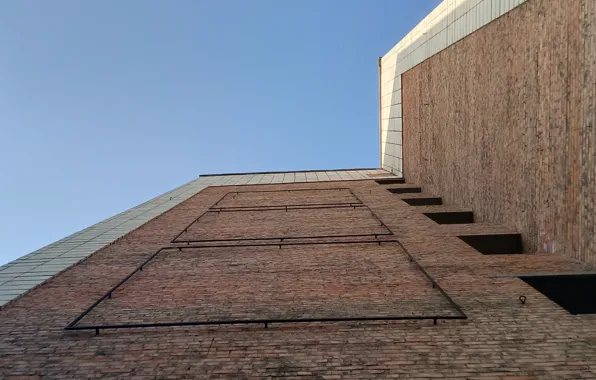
(266, 322)
(285, 238)
(109, 292)
(220, 199)
(71, 325)
(288, 190)
(140, 268)
(462, 315)
(435, 284)
(359, 203)
(308, 206)
(379, 219)
(195, 220)
(284, 243)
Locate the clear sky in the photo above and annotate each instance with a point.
(106, 104)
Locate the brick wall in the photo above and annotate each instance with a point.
(501, 339)
(503, 123)
(448, 23)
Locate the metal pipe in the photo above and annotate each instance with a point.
(71, 325)
(307, 206)
(267, 321)
(109, 292)
(435, 285)
(287, 190)
(288, 243)
(287, 238)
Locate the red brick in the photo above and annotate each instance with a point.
(537, 339)
(502, 122)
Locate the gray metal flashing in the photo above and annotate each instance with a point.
(31, 270)
(290, 171)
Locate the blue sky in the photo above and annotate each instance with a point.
(106, 104)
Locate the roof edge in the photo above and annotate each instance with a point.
(290, 171)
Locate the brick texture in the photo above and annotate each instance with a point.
(286, 198)
(502, 122)
(501, 339)
(305, 281)
(280, 223)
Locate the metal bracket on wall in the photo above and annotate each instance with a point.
(357, 203)
(74, 325)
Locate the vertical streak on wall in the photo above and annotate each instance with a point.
(505, 125)
(573, 122)
(587, 51)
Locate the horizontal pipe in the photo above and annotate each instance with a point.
(140, 267)
(287, 190)
(212, 209)
(310, 206)
(71, 326)
(265, 321)
(285, 238)
(284, 243)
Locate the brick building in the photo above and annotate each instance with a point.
(422, 269)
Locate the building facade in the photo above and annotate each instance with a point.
(343, 274)
(436, 265)
(492, 103)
